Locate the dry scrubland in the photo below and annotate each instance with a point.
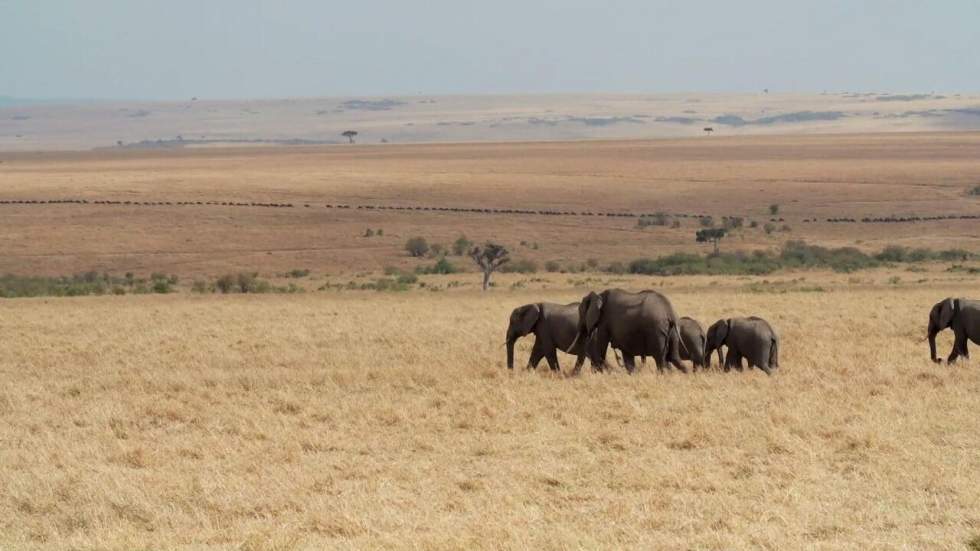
(388, 420)
(362, 420)
(810, 177)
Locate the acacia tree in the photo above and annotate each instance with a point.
(712, 235)
(349, 134)
(489, 257)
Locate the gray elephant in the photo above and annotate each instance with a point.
(555, 327)
(639, 324)
(963, 317)
(751, 338)
(693, 341)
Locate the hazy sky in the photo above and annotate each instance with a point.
(175, 49)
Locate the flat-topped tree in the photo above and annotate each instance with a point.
(349, 134)
(712, 235)
(489, 257)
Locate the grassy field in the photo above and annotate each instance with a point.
(367, 420)
(809, 178)
(340, 418)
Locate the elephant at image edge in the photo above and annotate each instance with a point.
(751, 338)
(963, 317)
(554, 327)
(694, 342)
(639, 324)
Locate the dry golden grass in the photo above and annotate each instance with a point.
(366, 420)
(808, 176)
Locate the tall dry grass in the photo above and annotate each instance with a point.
(369, 420)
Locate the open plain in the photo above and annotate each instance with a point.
(340, 418)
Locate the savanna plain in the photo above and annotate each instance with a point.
(336, 417)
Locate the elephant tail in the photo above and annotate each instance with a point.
(774, 354)
(673, 352)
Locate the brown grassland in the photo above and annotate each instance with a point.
(808, 176)
(370, 420)
(366, 420)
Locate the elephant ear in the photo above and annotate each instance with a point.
(946, 312)
(724, 328)
(529, 317)
(593, 309)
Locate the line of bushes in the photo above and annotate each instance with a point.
(88, 283)
(794, 254)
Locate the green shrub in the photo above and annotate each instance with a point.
(392, 271)
(442, 266)
(552, 266)
(975, 190)
(245, 282)
(199, 286)
(408, 279)
(774, 209)
(769, 227)
(417, 246)
(161, 286)
(298, 273)
(706, 222)
(436, 250)
(462, 246)
(226, 283)
(369, 233)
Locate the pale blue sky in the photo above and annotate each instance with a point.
(175, 49)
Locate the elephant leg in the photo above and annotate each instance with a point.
(677, 364)
(630, 362)
(536, 354)
(552, 358)
(578, 364)
(958, 345)
(762, 363)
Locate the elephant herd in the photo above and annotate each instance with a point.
(645, 324)
(638, 324)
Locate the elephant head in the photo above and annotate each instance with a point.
(940, 317)
(715, 338)
(522, 321)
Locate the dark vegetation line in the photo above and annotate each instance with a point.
(792, 255)
(472, 210)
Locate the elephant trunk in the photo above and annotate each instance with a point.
(932, 342)
(511, 339)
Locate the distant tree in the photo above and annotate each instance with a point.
(711, 235)
(708, 130)
(119, 143)
(461, 245)
(489, 257)
(774, 208)
(417, 246)
(349, 134)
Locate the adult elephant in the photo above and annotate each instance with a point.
(554, 327)
(963, 317)
(751, 338)
(694, 341)
(639, 324)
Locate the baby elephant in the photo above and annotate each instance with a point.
(554, 326)
(751, 338)
(963, 317)
(693, 342)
